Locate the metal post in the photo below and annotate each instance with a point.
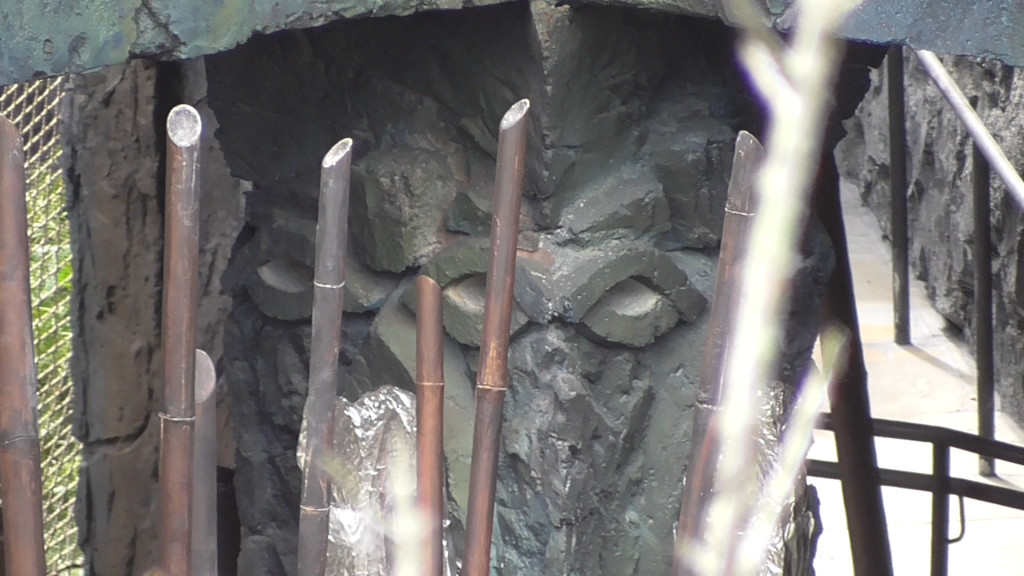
(21, 486)
(898, 196)
(325, 346)
(940, 509)
(851, 409)
(492, 378)
(178, 326)
(983, 307)
(430, 423)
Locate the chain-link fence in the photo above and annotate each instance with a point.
(34, 107)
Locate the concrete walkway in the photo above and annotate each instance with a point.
(931, 382)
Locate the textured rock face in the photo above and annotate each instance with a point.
(116, 213)
(941, 228)
(59, 37)
(633, 118)
(116, 311)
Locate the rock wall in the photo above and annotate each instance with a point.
(50, 38)
(634, 115)
(633, 119)
(941, 226)
(113, 138)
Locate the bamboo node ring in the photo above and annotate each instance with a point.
(738, 213)
(331, 286)
(168, 417)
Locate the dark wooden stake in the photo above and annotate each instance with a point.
(492, 378)
(739, 218)
(430, 422)
(181, 285)
(328, 304)
(21, 488)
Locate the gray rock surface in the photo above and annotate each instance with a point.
(690, 152)
(470, 213)
(628, 204)
(630, 313)
(941, 227)
(283, 289)
(266, 417)
(464, 310)
(56, 38)
(984, 29)
(561, 282)
(598, 417)
(398, 204)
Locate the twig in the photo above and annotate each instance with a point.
(794, 83)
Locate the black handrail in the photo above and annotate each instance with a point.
(939, 483)
(986, 154)
(938, 435)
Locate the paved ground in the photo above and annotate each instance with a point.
(930, 382)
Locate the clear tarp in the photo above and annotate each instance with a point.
(375, 528)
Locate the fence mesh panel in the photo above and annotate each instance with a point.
(34, 107)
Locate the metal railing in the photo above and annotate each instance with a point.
(939, 482)
(986, 153)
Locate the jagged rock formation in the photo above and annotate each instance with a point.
(634, 116)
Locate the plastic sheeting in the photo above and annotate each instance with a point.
(769, 431)
(374, 525)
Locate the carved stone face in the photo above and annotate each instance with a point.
(633, 119)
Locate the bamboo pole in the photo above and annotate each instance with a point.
(181, 285)
(492, 378)
(328, 303)
(21, 488)
(430, 422)
(739, 215)
(204, 470)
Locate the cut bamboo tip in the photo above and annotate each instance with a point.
(9, 132)
(515, 114)
(337, 152)
(429, 332)
(184, 125)
(206, 377)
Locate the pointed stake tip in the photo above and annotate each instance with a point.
(7, 129)
(427, 283)
(515, 114)
(337, 152)
(184, 125)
